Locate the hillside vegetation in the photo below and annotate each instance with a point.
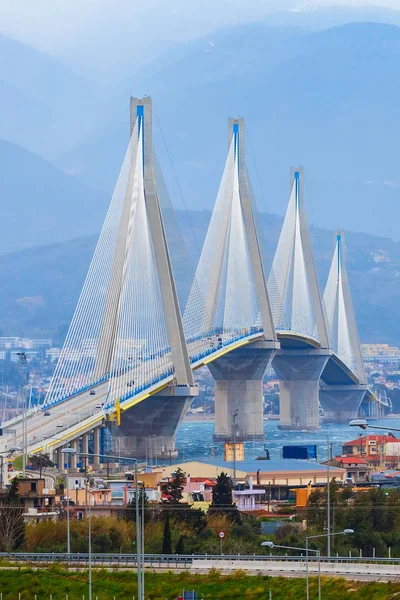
(168, 586)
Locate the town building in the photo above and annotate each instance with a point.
(38, 502)
(16, 342)
(380, 353)
(380, 452)
(357, 469)
(53, 354)
(275, 477)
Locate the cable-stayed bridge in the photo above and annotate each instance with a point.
(135, 339)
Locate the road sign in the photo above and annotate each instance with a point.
(221, 534)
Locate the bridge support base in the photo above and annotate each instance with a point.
(371, 409)
(238, 389)
(148, 429)
(299, 372)
(341, 403)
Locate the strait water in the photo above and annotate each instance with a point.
(194, 440)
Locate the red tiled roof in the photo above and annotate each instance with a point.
(349, 460)
(202, 480)
(380, 439)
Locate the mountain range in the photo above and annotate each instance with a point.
(40, 286)
(326, 99)
(41, 204)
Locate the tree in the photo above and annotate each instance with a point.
(180, 546)
(130, 511)
(222, 501)
(12, 527)
(40, 461)
(174, 488)
(167, 546)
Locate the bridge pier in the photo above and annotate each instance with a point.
(85, 443)
(299, 372)
(371, 408)
(341, 402)
(58, 458)
(149, 428)
(238, 388)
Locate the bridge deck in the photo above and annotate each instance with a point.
(82, 412)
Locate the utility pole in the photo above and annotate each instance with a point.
(328, 498)
(234, 416)
(22, 362)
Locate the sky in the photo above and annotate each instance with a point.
(97, 34)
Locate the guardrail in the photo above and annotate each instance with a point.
(178, 560)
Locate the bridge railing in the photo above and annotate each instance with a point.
(182, 560)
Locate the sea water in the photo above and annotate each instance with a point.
(194, 440)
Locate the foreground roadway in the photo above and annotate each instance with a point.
(366, 569)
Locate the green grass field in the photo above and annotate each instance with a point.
(107, 585)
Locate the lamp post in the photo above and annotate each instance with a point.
(8, 452)
(68, 452)
(139, 538)
(307, 550)
(234, 416)
(328, 498)
(328, 535)
(363, 423)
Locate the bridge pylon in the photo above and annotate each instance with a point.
(231, 278)
(299, 316)
(126, 341)
(341, 401)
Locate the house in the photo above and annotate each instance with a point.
(379, 451)
(357, 469)
(247, 498)
(33, 495)
(198, 489)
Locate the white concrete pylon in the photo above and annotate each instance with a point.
(340, 312)
(293, 286)
(230, 272)
(126, 333)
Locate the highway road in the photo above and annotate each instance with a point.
(366, 569)
(80, 413)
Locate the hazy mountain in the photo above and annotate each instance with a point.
(40, 286)
(328, 100)
(43, 105)
(41, 204)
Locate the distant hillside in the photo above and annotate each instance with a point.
(40, 286)
(328, 100)
(41, 204)
(42, 104)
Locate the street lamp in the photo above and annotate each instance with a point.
(328, 535)
(234, 417)
(8, 452)
(363, 423)
(68, 452)
(328, 497)
(139, 544)
(307, 550)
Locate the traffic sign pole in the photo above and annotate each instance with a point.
(221, 536)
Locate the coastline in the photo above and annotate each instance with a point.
(201, 418)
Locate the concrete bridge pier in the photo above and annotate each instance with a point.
(148, 429)
(299, 372)
(238, 379)
(341, 402)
